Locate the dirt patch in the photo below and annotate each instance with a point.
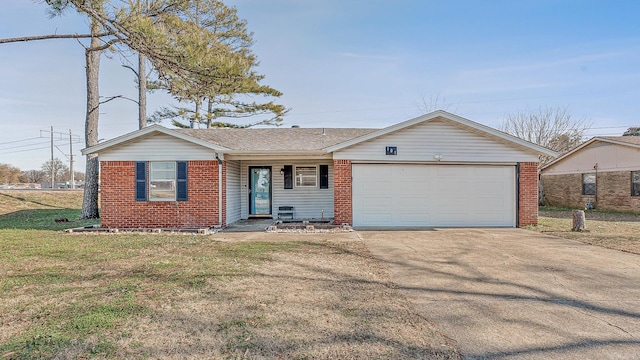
(619, 231)
(327, 300)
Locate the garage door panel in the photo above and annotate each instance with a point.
(433, 195)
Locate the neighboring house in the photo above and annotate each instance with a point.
(438, 169)
(603, 172)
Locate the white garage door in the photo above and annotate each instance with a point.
(403, 195)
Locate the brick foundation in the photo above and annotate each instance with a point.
(120, 210)
(613, 191)
(342, 194)
(528, 194)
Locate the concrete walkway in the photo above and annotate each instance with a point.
(518, 294)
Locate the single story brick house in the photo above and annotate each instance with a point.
(438, 169)
(604, 172)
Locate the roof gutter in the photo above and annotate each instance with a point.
(276, 152)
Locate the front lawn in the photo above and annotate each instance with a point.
(227, 295)
(620, 231)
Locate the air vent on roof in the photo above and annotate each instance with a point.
(295, 126)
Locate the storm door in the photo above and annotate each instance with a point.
(259, 191)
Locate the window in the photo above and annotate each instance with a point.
(588, 184)
(306, 176)
(167, 181)
(635, 183)
(162, 181)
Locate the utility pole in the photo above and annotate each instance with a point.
(73, 181)
(70, 156)
(53, 179)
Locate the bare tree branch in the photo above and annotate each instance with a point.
(110, 98)
(53, 36)
(553, 128)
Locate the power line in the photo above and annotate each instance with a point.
(22, 146)
(62, 152)
(33, 144)
(19, 151)
(12, 142)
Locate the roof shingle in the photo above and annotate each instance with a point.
(276, 139)
(635, 140)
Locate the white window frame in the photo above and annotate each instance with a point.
(299, 178)
(169, 176)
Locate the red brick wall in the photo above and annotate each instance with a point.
(528, 201)
(342, 209)
(119, 208)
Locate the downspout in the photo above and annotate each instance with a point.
(219, 191)
(518, 195)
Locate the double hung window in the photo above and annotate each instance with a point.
(161, 181)
(589, 184)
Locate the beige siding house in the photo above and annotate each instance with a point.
(602, 173)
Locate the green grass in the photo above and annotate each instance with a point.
(44, 219)
(38, 210)
(79, 293)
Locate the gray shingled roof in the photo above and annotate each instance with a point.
(635, 140)
(276, 139)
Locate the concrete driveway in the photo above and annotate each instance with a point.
(518, 294)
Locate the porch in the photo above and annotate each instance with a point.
(289, 190)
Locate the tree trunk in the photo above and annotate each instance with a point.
(90, 200)
(142, 91)
(578, 221)
(196, 115)
(209, 113)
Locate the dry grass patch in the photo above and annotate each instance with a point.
(15, 200)
(236, 296)
(619, 231)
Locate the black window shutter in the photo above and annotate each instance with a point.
(181, 187)
(141, 181)
(324, 176)
(288, 176)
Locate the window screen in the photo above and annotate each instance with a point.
(635, 183)
(162, 181)
(306, 176)
(588, 184)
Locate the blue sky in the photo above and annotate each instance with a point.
(354, 64)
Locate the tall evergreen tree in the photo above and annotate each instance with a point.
(227, 81)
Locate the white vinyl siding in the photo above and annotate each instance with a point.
(423, 141)
(233, 191)
(158, 147)
(309, 202)
(433, 195)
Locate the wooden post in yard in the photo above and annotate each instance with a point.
(578, 220)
